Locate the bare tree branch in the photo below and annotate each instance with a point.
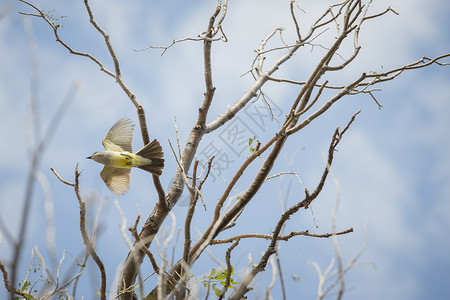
(243, 289)
(9, 288)
(394, 73)
(229, 269)
(85, 236)
(326, 106)
(206, 36)
(60, 178)
(274, 279)
(45, 16)
(297, 27)
(189, 215)
(280, 238)
(143, 248)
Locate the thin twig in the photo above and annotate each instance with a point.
(280, 238)
(186, 182)
(60, 178)
(274, 278)
(297, 27)
(123, 224)
(229, 269)
(335, 240)
(45, 17)
(190, 214)
(45, 269)
(283, 287)
(147, 252)
(85, 237)
(326, 106)
(284, 173)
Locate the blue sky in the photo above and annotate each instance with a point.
(392, 166)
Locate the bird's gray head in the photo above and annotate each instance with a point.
(100, 157)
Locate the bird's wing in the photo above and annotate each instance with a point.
(119, 137)
(116, 179)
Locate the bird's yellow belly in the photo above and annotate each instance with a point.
(122, 160)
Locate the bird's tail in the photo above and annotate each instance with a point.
(152, 151)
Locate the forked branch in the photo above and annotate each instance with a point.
(85, 236)
(271, 249)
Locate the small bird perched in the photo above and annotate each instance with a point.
(119, 158)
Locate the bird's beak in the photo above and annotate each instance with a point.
(89, 157)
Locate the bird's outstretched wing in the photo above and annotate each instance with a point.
(119, 137)
(116, 179)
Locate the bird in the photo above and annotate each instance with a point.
(119, 158)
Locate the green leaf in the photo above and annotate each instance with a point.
(250, 143)
(221, 275)
(25, 285)
(216, 290)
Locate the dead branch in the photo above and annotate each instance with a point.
(329, 274)
(378, 77)
(326, 106)
(337, 250)
(274, 278)
(45, 17)
(280, 238)
(294, 19)
(314, 100)
(85, 236)
(187, 233)
(250, 93)
(189, 215)
(206, 36)
(60, 178)
(138, 241)
(229, 269)
(271, 249)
